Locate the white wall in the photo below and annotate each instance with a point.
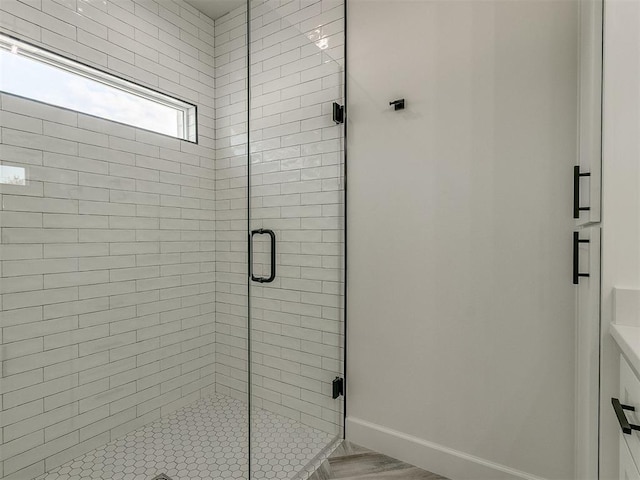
(621, 198)
(460, 312)
(107, 255)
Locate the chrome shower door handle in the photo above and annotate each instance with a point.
(272, 236)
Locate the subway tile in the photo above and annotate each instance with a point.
(20, 154)
(38, 235)
(75, 394)
(11, 449)
(74, 221)
(54, 190)
(86, 207)
(111, 370)
(97, 41)
(72, 47)
(9, 351)
(20, 252)
(134, 147)
(75, 308)
(44, 450)
(106, 289)
(76, 450)
(38, 110)
(22, 284)
(115, 18)
(19, 382)
(20, 122)
(23, 411)
(105, 425)
(75, 337)
(106, 262)
(106, 181)
(40, 329)
(102, 235)
(10, 318)
(38, 422)
(32, 471)
(37, 360)
(96, 124)
(20, 27)
(76, 422)
(106, 316)
(38, 266)
(71, 17)
(37, 17)
(73, 250)
(117, 157)
(106, 397)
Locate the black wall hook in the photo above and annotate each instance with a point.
(398, 104)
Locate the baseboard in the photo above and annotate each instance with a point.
(428, 455)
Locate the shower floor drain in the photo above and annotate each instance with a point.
(162, 476)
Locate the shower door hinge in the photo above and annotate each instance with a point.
(338, 113)
(338, 387)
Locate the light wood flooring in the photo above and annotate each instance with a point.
(351, 462)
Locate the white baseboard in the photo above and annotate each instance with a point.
(427, 455)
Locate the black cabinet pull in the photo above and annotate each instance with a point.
(576, 257)
(272, 276)
(576, 191)
(622, 418)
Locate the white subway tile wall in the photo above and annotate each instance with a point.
(297, 50)
(231, 204)
(108, 261)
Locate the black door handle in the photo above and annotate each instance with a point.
(272, 236)
(576, 191)
(622, 418)
(576, 257)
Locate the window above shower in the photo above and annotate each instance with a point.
(37, 74)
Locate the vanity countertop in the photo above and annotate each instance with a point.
(628, 339)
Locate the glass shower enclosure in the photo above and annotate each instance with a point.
(172, 307)
(296, 226)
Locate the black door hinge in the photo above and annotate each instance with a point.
(338, 113)
(338, 387)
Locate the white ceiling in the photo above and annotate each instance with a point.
(216, 8)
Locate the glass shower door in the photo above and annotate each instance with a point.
(296, 229)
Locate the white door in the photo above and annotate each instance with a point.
(587, 172)
(586, 276)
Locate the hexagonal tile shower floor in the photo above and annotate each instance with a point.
(207, 439)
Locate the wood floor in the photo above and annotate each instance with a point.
(351, 462)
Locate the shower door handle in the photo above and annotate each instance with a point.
(272, 236)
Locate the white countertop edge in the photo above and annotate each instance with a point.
(628, 339)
